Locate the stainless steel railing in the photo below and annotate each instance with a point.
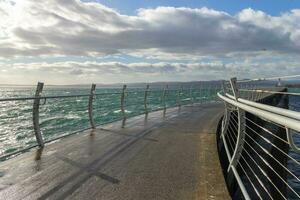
(96, 104)
(262, 156)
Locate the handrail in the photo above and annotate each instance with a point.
(269, 78)
(270, 92)
(279, 119)
(273, 109)
(78, 95)
(265, 153)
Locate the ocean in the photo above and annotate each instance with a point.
(64, 116)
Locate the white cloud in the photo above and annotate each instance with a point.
(113, 72)
(172, 43)
(72, 27)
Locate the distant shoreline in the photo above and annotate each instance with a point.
(138, 84)
(293, 85)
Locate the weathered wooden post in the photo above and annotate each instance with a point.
(35, 114)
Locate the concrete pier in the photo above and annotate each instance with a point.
(171, 155)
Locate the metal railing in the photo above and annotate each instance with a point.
(94, 106)
(259, 142)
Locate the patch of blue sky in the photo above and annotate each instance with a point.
(271, 7)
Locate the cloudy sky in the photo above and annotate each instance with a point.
(109, 41)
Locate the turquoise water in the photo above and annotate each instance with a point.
(64, 116)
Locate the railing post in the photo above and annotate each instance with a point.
(238, 148)
(241, 128)
(164, 96)
(291, 142)
(123, 101)
(227, 113)
(145, 99)
(90, 108)
(209, 92)
(205, 89)
(200, 93)
(252, 93)
(216, 92)
(179, 91)
(191, 95)
(35, 114)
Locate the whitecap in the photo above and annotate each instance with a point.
(126, 111)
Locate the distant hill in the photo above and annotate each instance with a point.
(131, 85)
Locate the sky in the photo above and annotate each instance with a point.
(119, 41)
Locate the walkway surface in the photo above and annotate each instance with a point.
(159, 156)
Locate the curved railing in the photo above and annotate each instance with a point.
(260, 145)
(94, 105)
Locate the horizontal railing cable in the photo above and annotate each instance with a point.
(264, 173)
(267, 131)
(269, 142)
(276, 160)
(250, 181)
(245, 160)
(256, 177)
(270, 167)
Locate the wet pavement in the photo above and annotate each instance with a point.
(162, 155)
